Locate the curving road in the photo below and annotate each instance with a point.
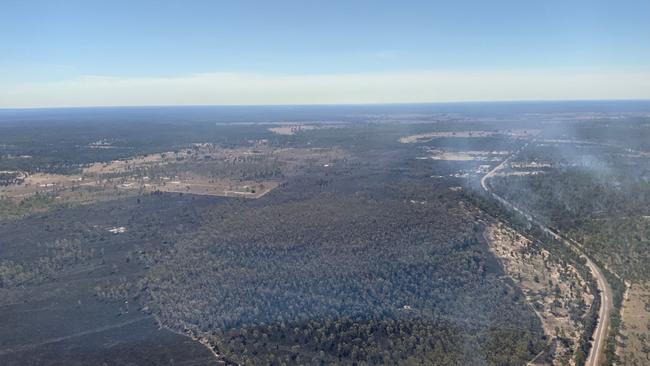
(606, 299)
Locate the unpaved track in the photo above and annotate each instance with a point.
(600, 333)
(26, 347)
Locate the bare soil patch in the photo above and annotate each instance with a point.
(202, 169)
(634, 344)
(555, 290)
(291, 129)
(466, 155)
(424, 137)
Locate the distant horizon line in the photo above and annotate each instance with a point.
(352, 104)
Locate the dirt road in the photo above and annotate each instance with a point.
(30, 346)
(600, 333)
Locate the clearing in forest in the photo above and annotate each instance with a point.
(554, 289)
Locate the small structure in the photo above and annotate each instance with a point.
(117, 230)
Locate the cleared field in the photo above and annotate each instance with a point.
(291, 129)
(212, 187)
(203, 169)
(424, 137)
(471, 155)
(634, 343)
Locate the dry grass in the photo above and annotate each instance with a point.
(466, 155)
(549, 286)
(199, 185)
(520, 173)
(424, 137)
(291, 129)
(121, 178)
(634, 344)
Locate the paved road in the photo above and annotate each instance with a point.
(600, 333)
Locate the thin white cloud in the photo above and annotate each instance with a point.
(395, 87)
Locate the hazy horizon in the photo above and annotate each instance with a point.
(81, 53)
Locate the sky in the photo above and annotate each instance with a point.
(57, 53)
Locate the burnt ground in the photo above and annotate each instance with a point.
(58, 319)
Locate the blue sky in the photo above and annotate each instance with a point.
(51, 47)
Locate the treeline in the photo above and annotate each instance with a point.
(8, 178)
(618, 289)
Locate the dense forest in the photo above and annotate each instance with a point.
(600, 199)
(338, 278)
